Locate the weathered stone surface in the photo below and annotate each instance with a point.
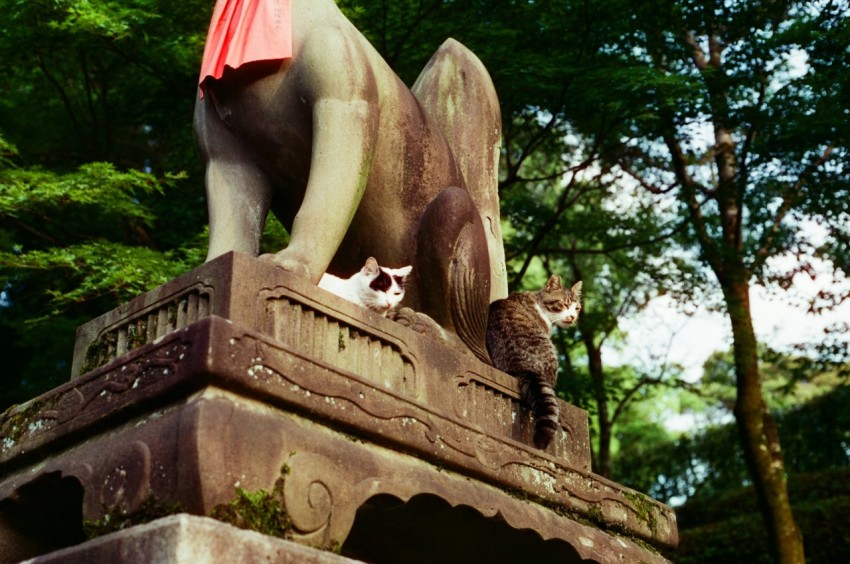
(294, 316)
(272, 381)
(456, 91)
(350, 160)
(188, 539)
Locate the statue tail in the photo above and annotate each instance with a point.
(454, 268)
(540, 396)
(470, 294)
(457, 93)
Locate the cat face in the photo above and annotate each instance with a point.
(559, 306)
(382, 288)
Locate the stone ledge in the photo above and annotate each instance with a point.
(188, 539)
(193, 456)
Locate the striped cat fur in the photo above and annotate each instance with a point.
(519, 330)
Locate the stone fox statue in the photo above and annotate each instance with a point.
(355, 164)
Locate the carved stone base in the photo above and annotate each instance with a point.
(238, 381)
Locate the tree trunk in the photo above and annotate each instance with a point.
(597, 375)
(757, 432)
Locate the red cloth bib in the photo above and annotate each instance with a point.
(243, 31)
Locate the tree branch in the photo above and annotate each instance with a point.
(763, 252)
(614, 248)
(697, 54)
(69, 109)
(649, 187)
(32, 230)
(513, 167)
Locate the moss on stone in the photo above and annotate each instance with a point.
(172, 315)
(594, 517)
(594, 514)
(115, 519)
(261, 511)
(137, 334)
(645, 510)
(97, 353)
(17, 419)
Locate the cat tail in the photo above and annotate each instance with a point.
(540, 395)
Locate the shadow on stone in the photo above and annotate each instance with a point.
(428, 529)
(43, 515)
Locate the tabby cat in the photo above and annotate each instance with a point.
(518, 341)
(374, 287)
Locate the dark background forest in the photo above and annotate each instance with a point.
(691, 150)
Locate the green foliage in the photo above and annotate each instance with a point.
(73, 245)
(98, 268)
(96, 129)
(814, 435)
(96, 191)
(787, 380)
(95, 80)
(727, 528)
(77, 229)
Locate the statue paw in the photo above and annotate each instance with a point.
(289, 263)
(403, 315)
(425, 325)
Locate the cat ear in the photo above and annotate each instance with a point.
(554, 282)
(576, 289)
(371, 267)
(405, 270)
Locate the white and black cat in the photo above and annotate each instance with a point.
(519, 330)
(374, 287)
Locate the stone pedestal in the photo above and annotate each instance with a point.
(239, 388)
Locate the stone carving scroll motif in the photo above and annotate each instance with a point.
(95, 395)
(316, 499)
(125, 483)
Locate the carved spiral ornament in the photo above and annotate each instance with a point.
(309, 493)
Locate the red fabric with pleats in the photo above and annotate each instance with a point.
(243, 31)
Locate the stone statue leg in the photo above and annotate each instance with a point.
(344, 126)
(238, 191)
(338, 173)
(454, 265)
